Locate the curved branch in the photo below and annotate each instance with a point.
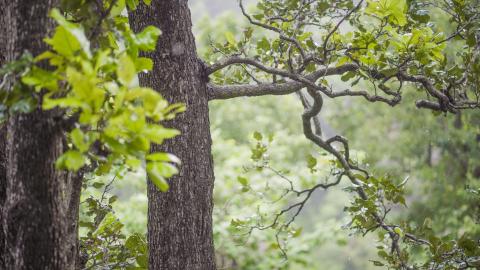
(443, 102)
(242, 90)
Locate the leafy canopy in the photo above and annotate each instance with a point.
(379, 50)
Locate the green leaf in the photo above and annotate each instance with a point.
(64, 42)
(257, 136)
(394, 9)
(167, 170)
(81, 84)
(263, 44)
(248, 33)
(133, 162)
(155, 106)
(467, 244)
(242, 180)
(41, 78)
(143, 64)
(383, 254)
(126, 70)
(157, 133)
(98, 185)
(102, 58)
(158, 172)
(159, 181)
(147, 39)
(78, 139)
(399, 231)
(311, 162)
(74, 35)
(377, 263)
(117, 8)
(132, 4)
(297, 232)
(112, 199)
(70, 160)
(230, 38)
(389, 71)
(347, 76)
(107, 222)
(136, 243)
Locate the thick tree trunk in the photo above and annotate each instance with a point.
(180, 220)
(37, 200)
(3, 194)
(3, 136)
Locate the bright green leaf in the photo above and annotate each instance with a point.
(70, 160)
(126, 70)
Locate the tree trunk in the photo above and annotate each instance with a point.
(3, 194)
(37, 199)
(3, 136)
(180, 220)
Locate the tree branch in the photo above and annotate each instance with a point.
(232, 91)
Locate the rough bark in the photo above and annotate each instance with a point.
(180, 220)
(37, 200)
(3, 135)
(3, 187)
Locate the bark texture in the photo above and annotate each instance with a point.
(37, 201)
(180, 220)
(3, 194)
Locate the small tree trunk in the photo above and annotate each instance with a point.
(37, 200)
(180, 220)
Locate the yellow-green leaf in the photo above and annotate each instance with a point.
(396, 9)
(157, 176)
(126, 70)
(230, 38)
(70, 160)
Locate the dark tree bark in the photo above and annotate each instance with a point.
(180, 220)
(3, 136)
(38, 202)
(3, 195)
